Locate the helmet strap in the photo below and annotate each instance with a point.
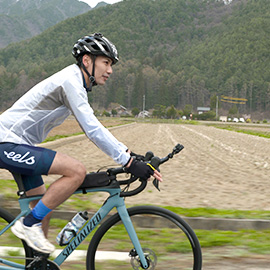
(91, 77)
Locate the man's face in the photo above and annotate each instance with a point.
(103, 68)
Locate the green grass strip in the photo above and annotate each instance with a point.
(76, 202)
(256, 242)
(253, 241)
(220, 213)
(249, 132)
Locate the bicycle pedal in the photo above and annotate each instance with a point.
(40, 254)
(34, 262)
(38, 258)
(42, 263)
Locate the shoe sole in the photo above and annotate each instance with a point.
(36, 248)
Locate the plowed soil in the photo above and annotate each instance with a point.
(217, 168)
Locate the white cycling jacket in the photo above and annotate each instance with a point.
(48, 104)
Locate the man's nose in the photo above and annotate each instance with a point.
(110, 70)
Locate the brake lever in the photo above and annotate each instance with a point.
(155, 161)
(156, 184)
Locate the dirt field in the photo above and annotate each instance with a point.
(217, 168)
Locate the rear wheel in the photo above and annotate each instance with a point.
(11, 247)
(167, 241)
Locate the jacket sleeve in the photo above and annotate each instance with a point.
(77, 101)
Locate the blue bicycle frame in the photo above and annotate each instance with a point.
(114, 200)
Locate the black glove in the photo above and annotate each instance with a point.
(137, 157)
(141, 169)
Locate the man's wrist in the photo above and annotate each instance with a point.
(129, 162)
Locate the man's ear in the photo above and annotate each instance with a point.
(87, 61)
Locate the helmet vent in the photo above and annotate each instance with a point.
(86, 48)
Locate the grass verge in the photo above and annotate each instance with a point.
(250, 241)
(238, 129)
(9, 189)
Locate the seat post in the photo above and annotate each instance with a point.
(18, 179)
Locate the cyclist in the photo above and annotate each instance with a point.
(42, 108)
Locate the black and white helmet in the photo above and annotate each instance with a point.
(95, 44)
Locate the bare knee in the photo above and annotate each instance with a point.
(76, 174)
(68, 167)
(80, 173)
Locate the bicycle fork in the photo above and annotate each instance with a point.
(123, 213)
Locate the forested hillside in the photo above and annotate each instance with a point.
(175, 52)
(24, 19)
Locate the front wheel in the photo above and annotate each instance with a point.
(166, 239)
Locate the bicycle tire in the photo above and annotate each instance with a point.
(168, 237)
(23, 248)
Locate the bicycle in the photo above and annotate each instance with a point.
(149, 237)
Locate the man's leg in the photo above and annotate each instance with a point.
(37, 191)
(73, 173)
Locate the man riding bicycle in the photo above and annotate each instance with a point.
(46, 106)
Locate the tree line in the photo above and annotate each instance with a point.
(174, 53)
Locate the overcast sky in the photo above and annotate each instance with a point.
(93, 3)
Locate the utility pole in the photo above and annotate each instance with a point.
(217, 109)
(143, 104)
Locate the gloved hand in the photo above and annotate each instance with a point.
(140, 169)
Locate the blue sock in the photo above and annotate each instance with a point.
(37, 214)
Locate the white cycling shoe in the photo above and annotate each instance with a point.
(33, 236)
